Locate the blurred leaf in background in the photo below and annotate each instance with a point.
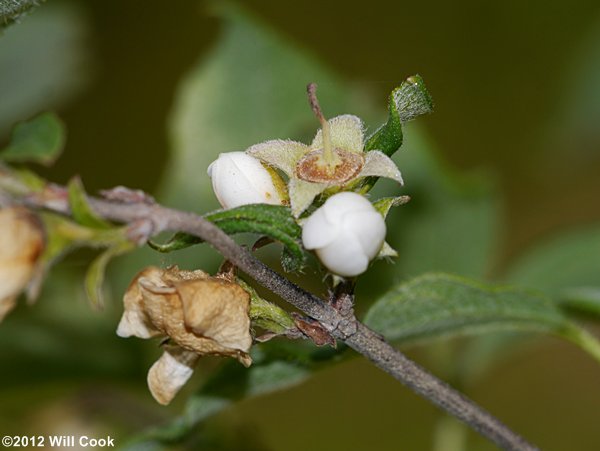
(44, 61)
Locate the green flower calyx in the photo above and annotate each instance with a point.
(334, 159)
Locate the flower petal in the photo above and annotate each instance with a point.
(319, 231)
(347, 132)
(219, 310)
(367, 228)
(21, 244)
(164, 307)
(170, 373)
(279, 153)
(173, 274)
(135, 321)
(344, 256)
(241, 179)
(379, 164)
(302, 194)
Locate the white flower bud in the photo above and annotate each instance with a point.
(239, 179)
(346, 233)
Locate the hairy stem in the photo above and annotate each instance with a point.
(342, 325)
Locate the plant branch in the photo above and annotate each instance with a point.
(141, 213)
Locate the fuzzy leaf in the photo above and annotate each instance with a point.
(407, 101)
(39, 140)
(80, 208)
(274, 221)
(412, 99)
(12, 10)
(388, 137)
(436, 305)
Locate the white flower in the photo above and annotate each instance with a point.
(306, 166)
(346, 233)
(239, 179)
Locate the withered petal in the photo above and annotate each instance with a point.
(135, 320)
(21, 243)
(201, 314)
(217, 309)
(170, 372)
(173, 274)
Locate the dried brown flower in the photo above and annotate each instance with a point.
(21, 244)
(200, 314)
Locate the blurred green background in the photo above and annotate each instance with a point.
(152, 91)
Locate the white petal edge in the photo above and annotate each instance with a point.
(378, 164)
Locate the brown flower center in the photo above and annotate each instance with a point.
(313, 168)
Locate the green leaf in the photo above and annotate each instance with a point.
(38, 140)
(44, 60)
(412, 99)
(65, 235)
(80, 208)
(583, 300)
(94, 278)
(407, 101)
(273, 221)
(569, 260)
(388, 137)
(440, 305)
(20, 182)
(12, 10)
